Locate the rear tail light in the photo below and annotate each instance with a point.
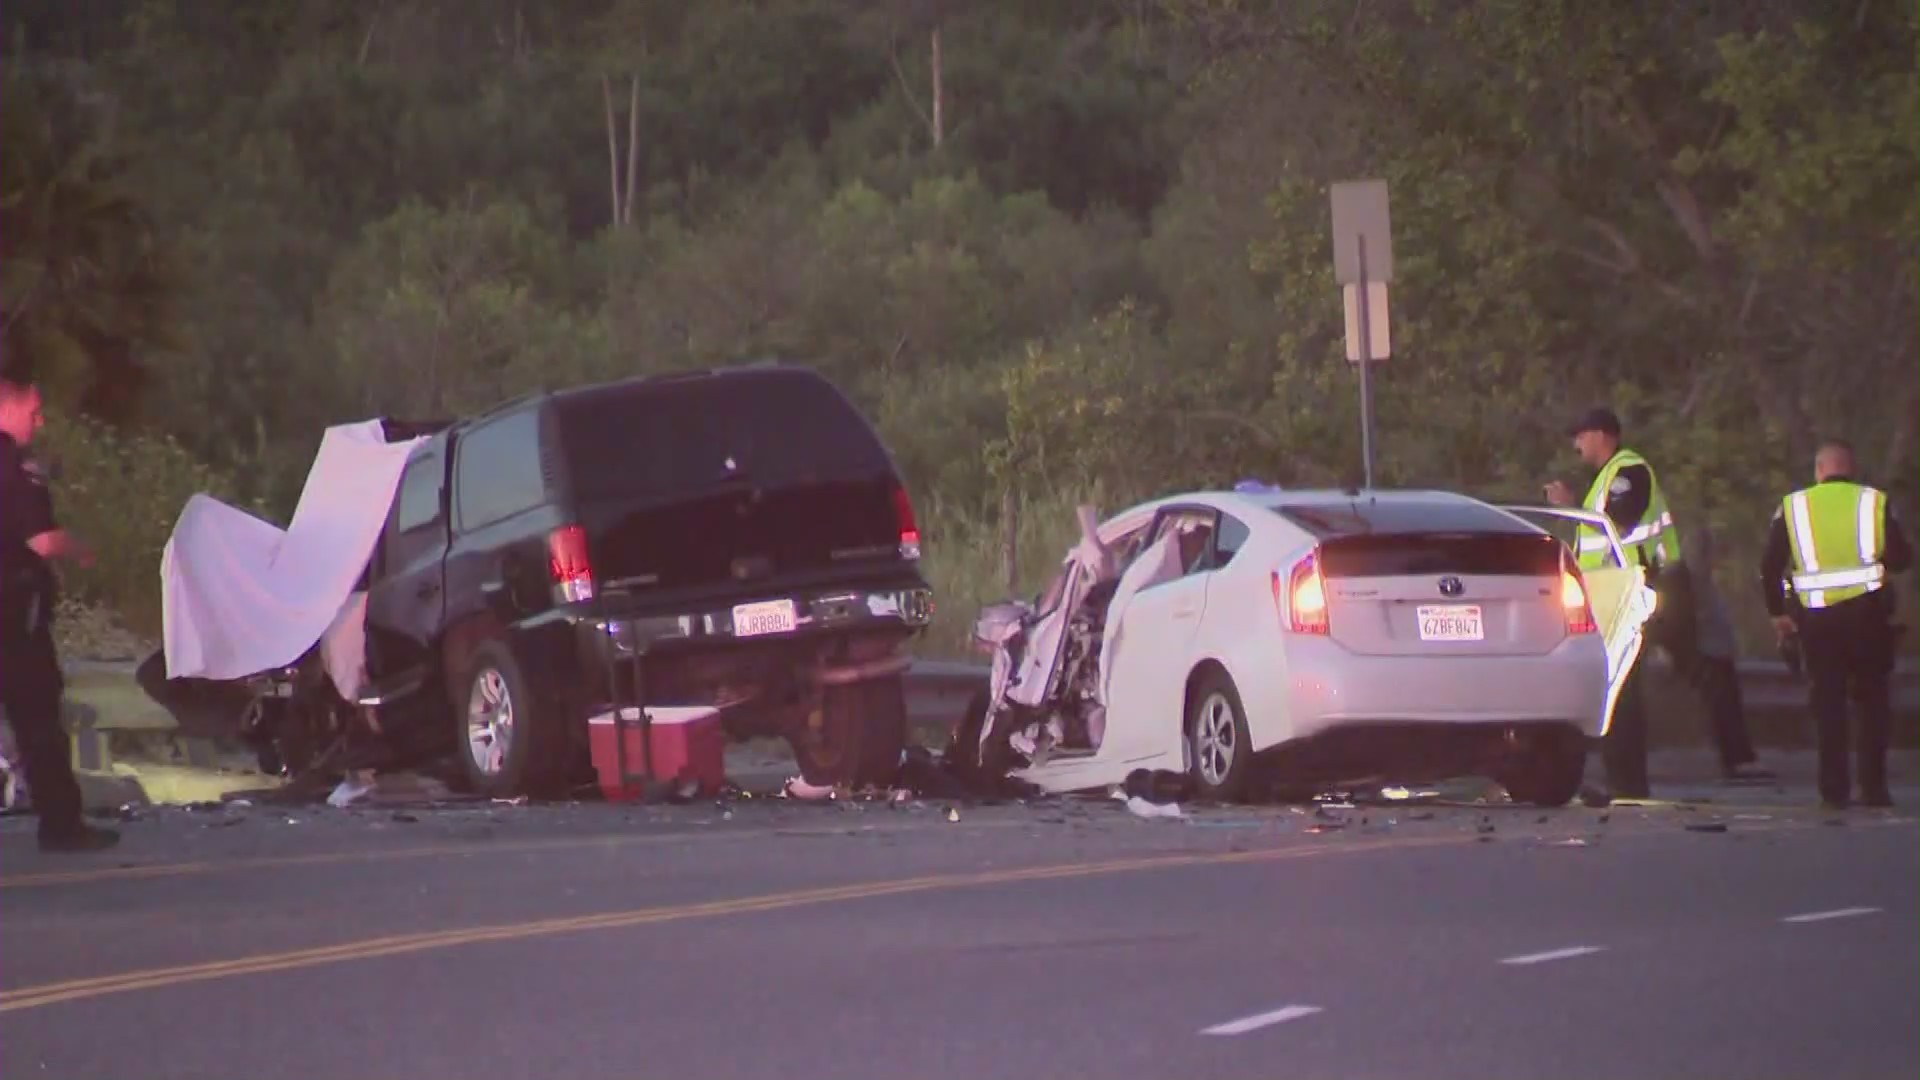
(567, 563)
(1302, 596)
(1573, 600)
(909, 528)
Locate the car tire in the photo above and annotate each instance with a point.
(856, 736)
(1551, 775)
(963, 745)
(509, 744)
(1219, 747)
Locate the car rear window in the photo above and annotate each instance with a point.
(1467, 554)
(1373, 517)
(775, 427)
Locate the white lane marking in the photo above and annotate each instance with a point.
(1260, 1020)
(1836, 913)
(1556, 954)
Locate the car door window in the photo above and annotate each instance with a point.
(498, 470)
(1192, 532)
(419, 506)
(1232, 535)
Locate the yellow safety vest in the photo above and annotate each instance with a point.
(1653, 539)
(1838, 532)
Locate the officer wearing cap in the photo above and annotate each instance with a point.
(1626, 490)
(1836, 543)
(30, 682)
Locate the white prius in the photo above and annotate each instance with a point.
(1327, 636)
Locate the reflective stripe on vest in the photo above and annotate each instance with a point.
(1836, 531)
(1654, 532)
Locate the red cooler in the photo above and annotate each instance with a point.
(687, 744)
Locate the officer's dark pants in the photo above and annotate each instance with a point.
(30, 688)
(1624, 748)
(1674, 628)
(1849, 655)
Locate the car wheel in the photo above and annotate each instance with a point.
(963, 745)
(1551, 774)
(1219, 748)
(509, 744)
(855, 737)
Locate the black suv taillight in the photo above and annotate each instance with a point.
(568, 565)
(909, 528)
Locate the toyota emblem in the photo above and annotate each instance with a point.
(1451, 586)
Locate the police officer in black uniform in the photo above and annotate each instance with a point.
(1848, 643)
(30, 681)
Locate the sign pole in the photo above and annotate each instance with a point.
(1366, 364)
(1363, 257)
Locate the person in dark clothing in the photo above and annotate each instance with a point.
(30, 680)
(1823, 574)
(1626, 490)
(1716, 675)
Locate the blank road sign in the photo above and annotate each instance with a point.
(1360, 209)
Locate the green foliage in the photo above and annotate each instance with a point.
(84, 286)
(1113, 271)
(120, 492)
(965, 558)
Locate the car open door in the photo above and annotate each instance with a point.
(1622, 601)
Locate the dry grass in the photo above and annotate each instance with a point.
(964, 560)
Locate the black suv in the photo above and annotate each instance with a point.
(737, 538)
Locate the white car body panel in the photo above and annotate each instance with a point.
(1163, 624)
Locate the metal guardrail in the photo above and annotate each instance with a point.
(938, 690)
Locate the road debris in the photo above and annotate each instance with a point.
(1706, 826)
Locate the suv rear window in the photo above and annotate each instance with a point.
(776, 427)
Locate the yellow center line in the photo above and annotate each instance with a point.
(479, 847)
(34, 997)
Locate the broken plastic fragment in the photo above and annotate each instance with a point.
(356, 786)
(1140, 807)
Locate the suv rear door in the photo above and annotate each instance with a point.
(719, 482)
(406, 600)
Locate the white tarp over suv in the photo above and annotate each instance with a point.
(242, 596)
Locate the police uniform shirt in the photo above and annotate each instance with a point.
(26, 511)
(1777, 561)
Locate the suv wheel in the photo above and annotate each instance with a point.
(509, 744)
(856, 737)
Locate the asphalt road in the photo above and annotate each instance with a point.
(1057, 940)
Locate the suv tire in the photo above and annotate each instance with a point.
(859, 736)
(498, 710)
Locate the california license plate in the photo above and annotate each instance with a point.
(1451, 622)
(765, 617)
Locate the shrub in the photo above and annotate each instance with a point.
(120, 492)
(965, 561)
